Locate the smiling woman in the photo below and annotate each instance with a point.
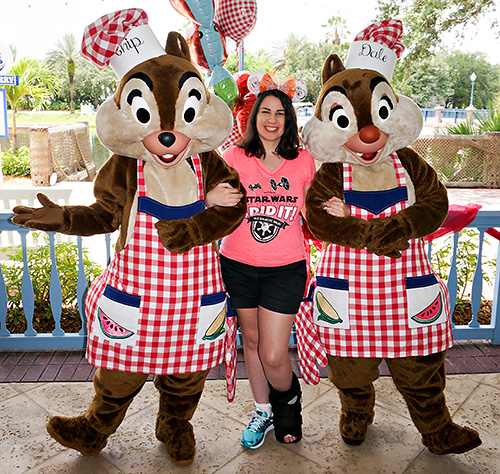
(263, 262)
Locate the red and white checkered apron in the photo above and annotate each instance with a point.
(153, 311)
(385, 307)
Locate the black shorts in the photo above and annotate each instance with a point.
(278, 289)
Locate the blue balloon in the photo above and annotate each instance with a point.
(202, 11)
(213, 48)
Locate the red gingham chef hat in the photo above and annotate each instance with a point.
(377, 47)
(121, 39)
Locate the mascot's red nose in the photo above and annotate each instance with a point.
(369, 134)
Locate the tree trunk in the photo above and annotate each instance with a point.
(71, 92)
(14, 130)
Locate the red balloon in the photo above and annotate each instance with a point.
(199, 55)
(241, 81)
(243, 111)
(236, 18)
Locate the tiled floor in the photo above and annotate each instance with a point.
(39, 385)
(70, 365)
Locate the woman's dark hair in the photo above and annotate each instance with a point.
(289, 144)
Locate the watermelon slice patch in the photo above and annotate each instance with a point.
(112, 329)
(431, 313)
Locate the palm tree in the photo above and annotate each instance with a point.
(35, 82)
(337, 30)
(67, 50)
(283, 50)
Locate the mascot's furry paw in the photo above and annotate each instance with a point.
(76, 433)
(178, 436)
(353, 427)
(49, 218)
(178, 236)
(452, 439)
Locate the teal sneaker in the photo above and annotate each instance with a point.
(255, 433)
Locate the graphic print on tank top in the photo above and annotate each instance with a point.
(271, 207)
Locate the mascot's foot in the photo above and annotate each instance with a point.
(76, 433)
(452, 439)
(353, 427)
(178, 436)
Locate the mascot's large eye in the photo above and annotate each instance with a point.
(339, 117)
(191, 106)
(385, 107)
(140, 108)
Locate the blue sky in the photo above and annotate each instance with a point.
(40, 23)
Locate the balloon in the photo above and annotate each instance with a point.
(253, 81)
(200, 11)
(243, 111)
(236, 18)
(224, 85)
(241, 78)
(300, 90)
(207, 43)
(207, 47)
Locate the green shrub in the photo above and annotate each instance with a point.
(465, 127)
(16, 164)
(39, 263)
(491, 123)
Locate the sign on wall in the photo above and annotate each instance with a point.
(4, 127)
(9, 80)
(6, 62)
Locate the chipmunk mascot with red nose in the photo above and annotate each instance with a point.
(160, 306)
(376, 296)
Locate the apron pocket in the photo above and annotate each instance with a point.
(425, 301)
(212, 317)
(118, 316)
(331, 302)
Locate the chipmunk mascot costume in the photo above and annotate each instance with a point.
(376, 296)
(160, 306)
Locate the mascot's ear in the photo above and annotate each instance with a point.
(177, 45)
(333, 65)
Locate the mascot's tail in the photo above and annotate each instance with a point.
(309, 347)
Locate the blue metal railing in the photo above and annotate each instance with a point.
(474, 330)
(453, 114)
(59, 339)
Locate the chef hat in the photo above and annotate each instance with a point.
(121, 40)
(377, 47)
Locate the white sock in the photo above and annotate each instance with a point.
(265, 407)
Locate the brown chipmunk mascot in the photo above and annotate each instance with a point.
(160, 306)
(376, 296)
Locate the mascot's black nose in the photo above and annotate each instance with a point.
(167, 139)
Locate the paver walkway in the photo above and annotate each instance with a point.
(71, 366)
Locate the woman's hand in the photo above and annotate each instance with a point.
(336, 207)
(223, 195)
